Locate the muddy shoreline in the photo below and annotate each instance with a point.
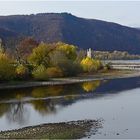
(71, 80)
(63, 130)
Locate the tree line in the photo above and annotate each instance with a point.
(34, 60)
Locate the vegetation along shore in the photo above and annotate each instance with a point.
(111, 74)
(34, 61)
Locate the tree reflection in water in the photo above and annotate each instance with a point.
(42, 92)
(44, 107)
(42, 100)
(17, 113)
(16, 105)
(90, 86)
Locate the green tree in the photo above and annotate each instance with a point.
(58, 58)
(69, 67)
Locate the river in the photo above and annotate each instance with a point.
(115, 102)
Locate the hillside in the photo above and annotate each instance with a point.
(85, 33)
(6, 33)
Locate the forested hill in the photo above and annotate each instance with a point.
(5, 33)
(85, 33)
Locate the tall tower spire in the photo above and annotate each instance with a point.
(89, 53)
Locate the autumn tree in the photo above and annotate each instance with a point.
(7, 68)
(2, 49)
(24, 48)
(90, 65)
(22, 72)
(40, 55)
(69, 50)
(80, 55)
(53, 72)
(59, 59)
(40, 73)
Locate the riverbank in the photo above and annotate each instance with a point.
(63, 130)
(112, 74)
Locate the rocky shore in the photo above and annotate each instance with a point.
(63, 130)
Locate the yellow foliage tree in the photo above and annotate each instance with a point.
(40, 55)
(40, 73)
(7, 68)
(90, 65)
(69, 50)
(22, 71)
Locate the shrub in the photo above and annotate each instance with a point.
(54, 72)
(99, 64)
(107, 66)
(76, 69)
(69, 67)
(40, 73)
(7, 68)
(90, 65)
(22, 72)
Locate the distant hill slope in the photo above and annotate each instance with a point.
(85, 33)
(5, 33)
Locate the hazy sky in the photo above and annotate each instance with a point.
(123, 12)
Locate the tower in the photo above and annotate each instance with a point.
(89, 53)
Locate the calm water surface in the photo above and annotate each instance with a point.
(116, 102)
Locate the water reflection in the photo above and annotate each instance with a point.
(42, 99)
(41, 92)
(90, 86)
(3, 109)
(16, 105)
(15, 112)
(44, 107)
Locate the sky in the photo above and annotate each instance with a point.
(122, 12)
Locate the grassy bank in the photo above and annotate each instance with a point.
(112, 74)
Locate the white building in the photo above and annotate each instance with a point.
(89, 53)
